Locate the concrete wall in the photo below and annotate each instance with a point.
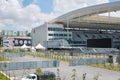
(39, 35)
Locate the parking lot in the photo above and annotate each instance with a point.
(65, 70)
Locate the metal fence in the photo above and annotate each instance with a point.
(8, 55)
(28, 65)
(75, 62)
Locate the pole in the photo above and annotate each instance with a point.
(67, 28)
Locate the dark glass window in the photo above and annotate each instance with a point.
(50, 34)
(55, 34)
(65, 34)
(55, 29)
(60, 34)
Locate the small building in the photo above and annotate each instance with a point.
(11, 33)
(16, 41)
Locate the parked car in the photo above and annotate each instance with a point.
(46, 75)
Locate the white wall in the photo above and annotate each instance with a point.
(39, 34)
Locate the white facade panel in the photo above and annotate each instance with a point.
(48, 32)
(39, 35)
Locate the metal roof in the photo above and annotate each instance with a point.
(88, 17)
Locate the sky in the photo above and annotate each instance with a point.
(26, 14)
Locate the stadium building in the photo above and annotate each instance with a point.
(80, 28)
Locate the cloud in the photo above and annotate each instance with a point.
(2, 26)
(115, 14)
(64, 6)
(21, 18)
(12, 12)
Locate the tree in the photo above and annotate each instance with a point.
(38, 71)
(73, 74)
(110, 60)
(29, 34)
(84, 76)
(58, 72)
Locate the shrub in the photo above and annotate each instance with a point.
(38, 71)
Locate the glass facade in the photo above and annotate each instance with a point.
(58, 33)
(55, 29)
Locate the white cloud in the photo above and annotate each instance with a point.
(22, 18)
(64, 6)
(115, 14)
(2, 26)
(25, 18)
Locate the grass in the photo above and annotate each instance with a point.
(49, 57)
(3, 59)
(105, 66)
(3, 77)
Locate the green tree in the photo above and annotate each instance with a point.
(38, 71)
(110, 60)
(29, 34)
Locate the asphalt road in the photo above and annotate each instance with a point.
(65, 70)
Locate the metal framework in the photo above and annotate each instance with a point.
(88, 17)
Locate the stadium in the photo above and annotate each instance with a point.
(85, 29)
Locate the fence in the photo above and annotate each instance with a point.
(8, 55)
(75, 62)
(28, 65)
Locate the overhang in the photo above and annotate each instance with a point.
(88, 17)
